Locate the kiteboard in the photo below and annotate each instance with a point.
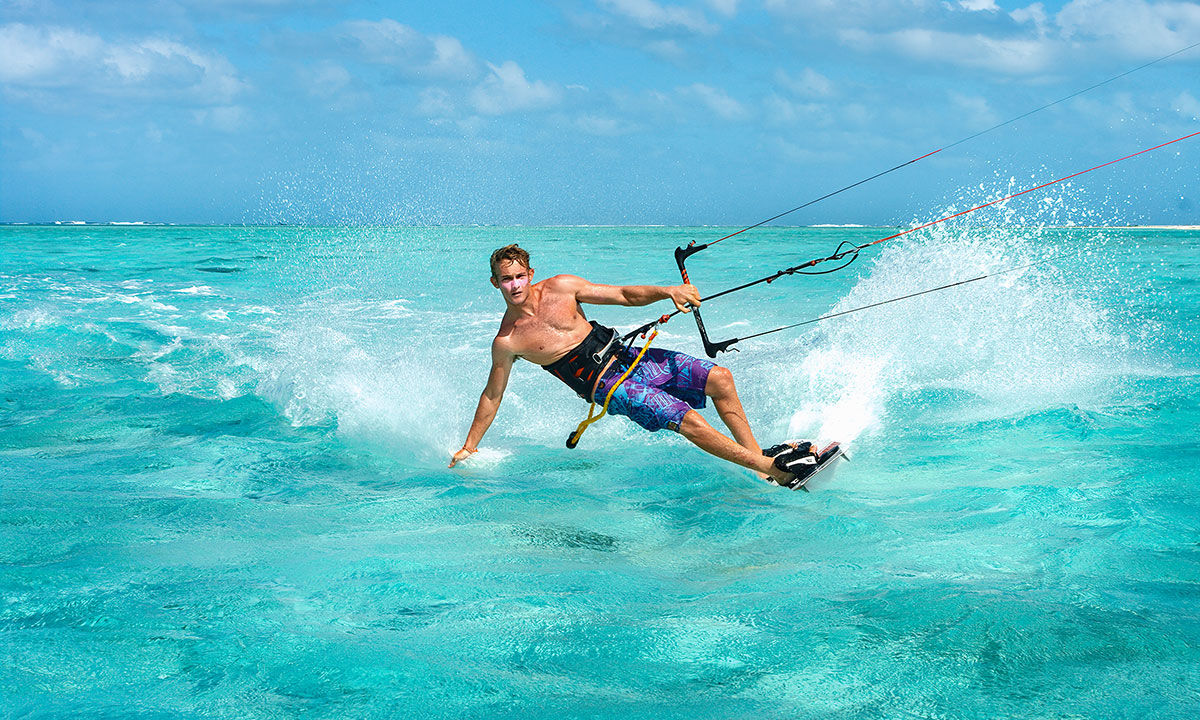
(804, 460)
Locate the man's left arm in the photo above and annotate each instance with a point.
(683, 296)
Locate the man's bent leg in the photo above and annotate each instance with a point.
(695, 428)
(721, 388)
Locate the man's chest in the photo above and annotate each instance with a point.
(554, 328)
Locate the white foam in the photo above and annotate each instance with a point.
(30, 318)
(1016, 343)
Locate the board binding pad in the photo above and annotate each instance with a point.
(802, 459)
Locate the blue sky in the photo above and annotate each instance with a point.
(586, 111)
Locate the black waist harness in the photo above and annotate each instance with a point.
(580, 367)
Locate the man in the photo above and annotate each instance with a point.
(544, 324)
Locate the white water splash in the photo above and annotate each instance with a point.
(1017, 343)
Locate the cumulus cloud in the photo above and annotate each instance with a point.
(1013, 55)
(651, 15)
(728, 8)
(327, 79)
(506, 90)
(1025, 40)
(602, 125)
(1135, 26)
(1035, 15)
(436, 102)
(715, 100)
(780, 111)
(809, 83)
(410, 52)
(54, 57)
(229, 118)
(860, 13)
(657, 28)
(1187, 105)
(977, 111)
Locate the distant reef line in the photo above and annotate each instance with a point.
(820, 226)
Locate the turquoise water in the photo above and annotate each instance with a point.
(223, 456)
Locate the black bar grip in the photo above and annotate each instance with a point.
(710, 348)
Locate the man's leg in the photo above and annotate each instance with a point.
(720, 387)
(695, 428)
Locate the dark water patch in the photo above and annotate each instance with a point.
(219, 269)
(566, 538)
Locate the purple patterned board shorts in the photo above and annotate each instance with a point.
(661, 389)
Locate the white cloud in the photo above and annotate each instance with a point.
(666, 49)
(809, 83)
(832, 14)
(975, 109)
(506, 90)
(781, 111)
(327, 79)
(387, 42)
(938, 31)
(54, 57)
(1015, 55)
(715, 100)
(728, 8)
(229, 118)
(436, 102)
(650, 15)
(1187, 105)
(1137, 27)
(44, 56)
(1035, 14)
(602, 125)
(450, 58)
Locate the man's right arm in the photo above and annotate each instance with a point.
(489, 401)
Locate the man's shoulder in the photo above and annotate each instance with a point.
(563, 283)
(502, 343)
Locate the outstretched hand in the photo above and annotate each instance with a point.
(461, 455)
(685, 297)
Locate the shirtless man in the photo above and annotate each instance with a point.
(544, 324)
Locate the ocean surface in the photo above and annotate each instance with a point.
(224, 488)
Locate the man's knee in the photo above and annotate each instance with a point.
(691, 423)
(719, 383)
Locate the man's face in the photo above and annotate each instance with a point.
(513, 279)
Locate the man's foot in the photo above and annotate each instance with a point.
(792, 463)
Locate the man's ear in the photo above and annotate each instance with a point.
(495, 282)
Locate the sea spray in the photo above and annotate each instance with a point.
(1013, 344)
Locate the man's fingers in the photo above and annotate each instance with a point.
(460, 456)
(686, 298)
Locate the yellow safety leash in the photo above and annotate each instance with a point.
(573, 439)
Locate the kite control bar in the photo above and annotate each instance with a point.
(710, 348)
